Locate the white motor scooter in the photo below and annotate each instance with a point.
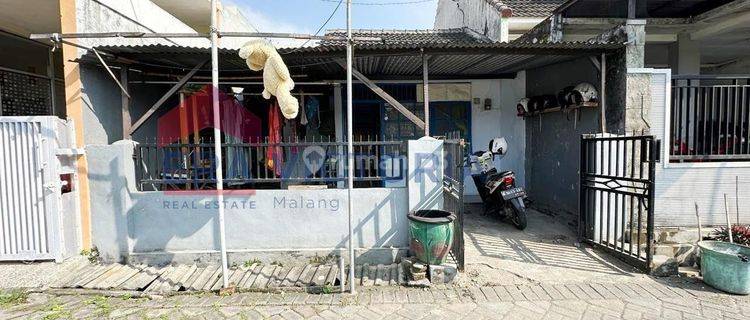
(498, 190)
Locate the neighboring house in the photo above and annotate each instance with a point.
(694, 100)
(37, 79)
(500, 20)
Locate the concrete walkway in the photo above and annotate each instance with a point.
(674, 299)
(545, 252)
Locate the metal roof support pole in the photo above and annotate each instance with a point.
(603, 92)
(166, 96)
(217, 141)
(350, 142)
(426, 91)
(51, 75)
(111, 74)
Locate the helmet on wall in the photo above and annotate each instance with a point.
(585, 92)
(564, 96)
(522, 107)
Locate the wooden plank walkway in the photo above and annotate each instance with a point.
(174, 278)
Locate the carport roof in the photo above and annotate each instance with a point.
(453, 54)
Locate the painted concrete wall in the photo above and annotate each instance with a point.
(477, 15)
(101, 96)
(500, 121)
(128, 224)
(680, 186)
(553, 139)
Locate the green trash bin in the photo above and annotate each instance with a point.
(726, 266)
(431, 235)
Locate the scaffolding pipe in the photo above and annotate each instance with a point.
(349, 140)
(141, 35)
(217, 141)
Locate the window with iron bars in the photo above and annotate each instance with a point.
(709, 119)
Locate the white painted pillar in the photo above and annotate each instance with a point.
(685, 56)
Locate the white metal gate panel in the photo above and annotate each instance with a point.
(29, 224)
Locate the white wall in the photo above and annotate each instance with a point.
(477, 15)
(679, 186)
(500, 121)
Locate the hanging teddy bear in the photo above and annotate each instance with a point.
(261, 55)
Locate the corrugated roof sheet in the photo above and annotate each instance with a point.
(401, 37)
(452, 53)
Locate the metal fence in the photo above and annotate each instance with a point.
(260, 164)
(617, 195)
(709, 118)
(25, 94)
(453, 191)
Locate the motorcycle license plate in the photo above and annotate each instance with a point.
(513, 193)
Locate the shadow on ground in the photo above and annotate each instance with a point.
(547, 251)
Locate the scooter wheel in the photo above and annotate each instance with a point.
(519, 218)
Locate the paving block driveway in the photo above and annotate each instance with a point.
(538, 273)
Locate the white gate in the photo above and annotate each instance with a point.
(30, 194)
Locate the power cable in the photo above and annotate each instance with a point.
(321, 26)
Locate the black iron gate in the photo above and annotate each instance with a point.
(453, 191)
(617, 195)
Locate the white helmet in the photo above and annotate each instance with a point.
(522, 107)
(498, 146)
(585, 92)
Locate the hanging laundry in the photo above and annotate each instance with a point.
(312, 113)
(302, 114)
(274, 154)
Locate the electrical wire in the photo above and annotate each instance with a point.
(321, 26)
(365, 3)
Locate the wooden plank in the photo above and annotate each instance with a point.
(307, 280)
(365, 278)
(385, 96)
(220, 279)
(358, 275)
(212, 280)
(166, 96)
(372, 275)
(145, 276)
(128, 273)
(394, 274)
(380, 272)
(320, 275)
(155, 286)
(237, 276)
(278, 277)
(172, 282)
(263, 277)
(87, 277)
(188, 283)
(115, 275)
(250, 276)
(302, 275)
(94, 283)
(71, 276)
(331, 279)
(201, 280)
(291, 278)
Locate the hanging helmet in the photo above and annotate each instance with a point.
(522, 107)
(563, 96)
(498, 146)
(585, 92)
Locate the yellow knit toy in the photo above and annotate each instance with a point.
(261, 55)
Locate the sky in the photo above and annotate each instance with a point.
(306, 16)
